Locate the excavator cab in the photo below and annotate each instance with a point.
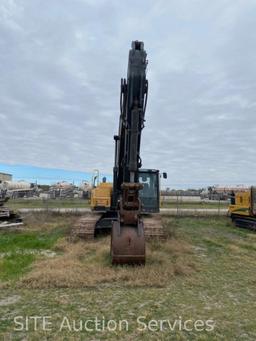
(149, 194)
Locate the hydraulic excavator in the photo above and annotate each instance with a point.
(129, 207)
(243, 208)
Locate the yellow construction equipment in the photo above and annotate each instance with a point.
(101, 197)
(242, 209)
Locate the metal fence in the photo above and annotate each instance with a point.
(193, 205)
(178, 205)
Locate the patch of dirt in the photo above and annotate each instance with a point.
(9, 300)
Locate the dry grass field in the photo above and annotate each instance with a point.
(204, 270)
(87, 264)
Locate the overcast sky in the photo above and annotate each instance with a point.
(60, 67)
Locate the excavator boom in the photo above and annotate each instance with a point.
(127, 238)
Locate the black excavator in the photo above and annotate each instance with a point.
(130, 206)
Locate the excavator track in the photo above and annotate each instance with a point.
(153, 227)
(244, 222)
(84, 227)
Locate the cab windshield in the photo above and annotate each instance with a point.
(149, 193)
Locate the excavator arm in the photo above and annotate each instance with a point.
(133, 100)
(128, 241)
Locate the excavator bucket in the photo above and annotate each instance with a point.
(127, 244)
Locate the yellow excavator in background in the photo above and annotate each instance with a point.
(242, 209)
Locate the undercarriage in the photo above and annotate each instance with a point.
(244, 221)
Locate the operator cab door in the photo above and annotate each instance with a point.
(149, 194)
(253, 200)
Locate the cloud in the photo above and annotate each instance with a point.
(61, 64)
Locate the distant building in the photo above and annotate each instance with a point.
(5, 177)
